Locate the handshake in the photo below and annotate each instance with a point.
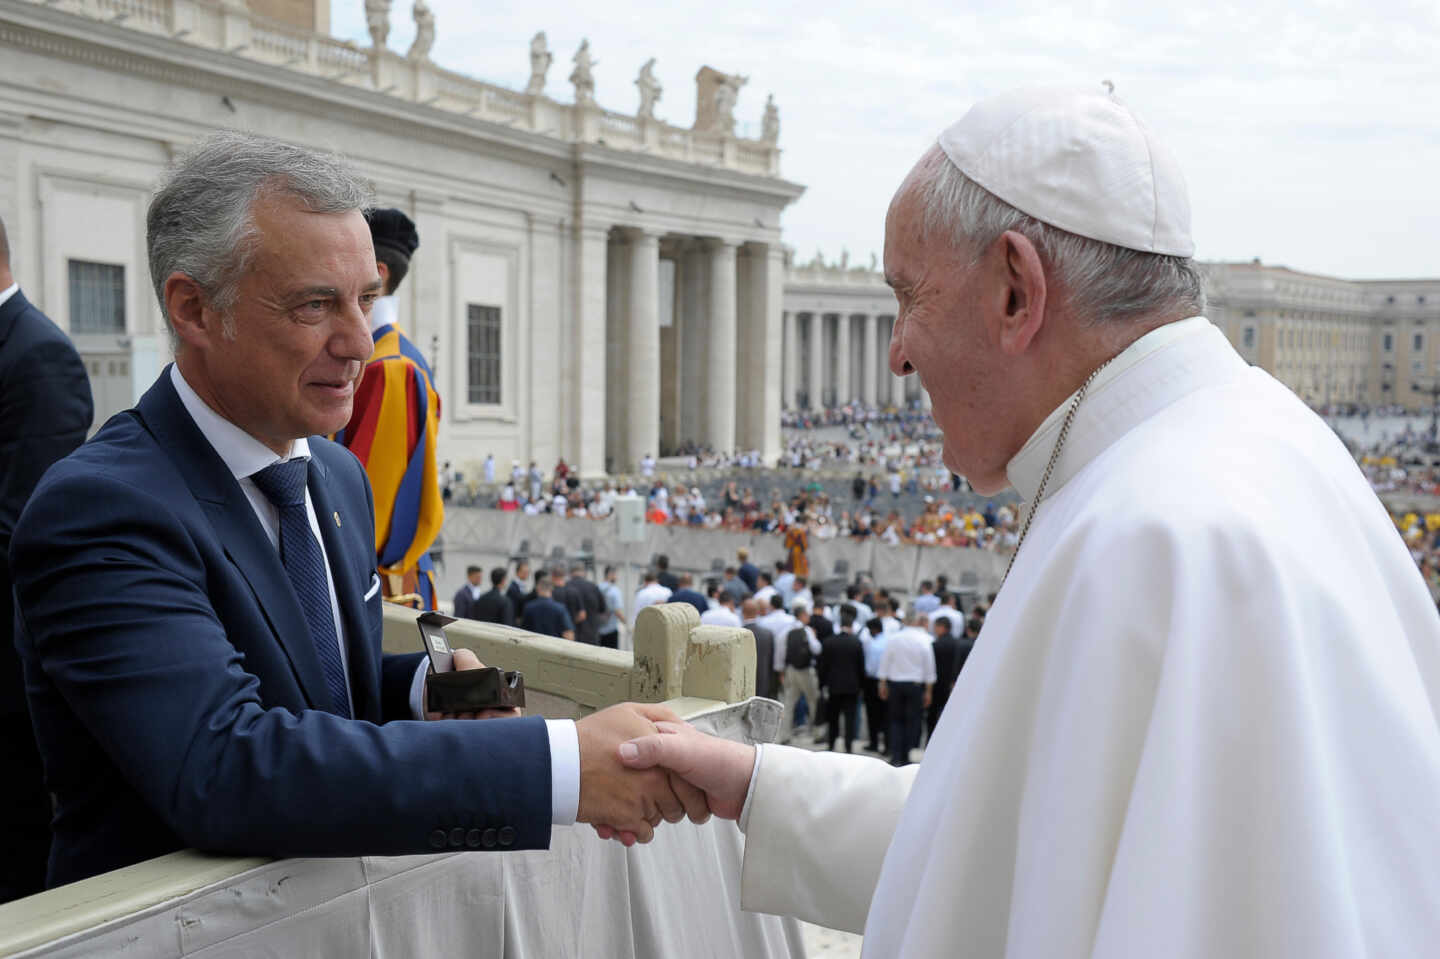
(641, 763)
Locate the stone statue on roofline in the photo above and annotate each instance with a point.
(540, 60)
(582, 76)
(424, 31)
(650, 90)
(770, 125)
(377, 19)
(715, 97)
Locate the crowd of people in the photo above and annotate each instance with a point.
(826, 658)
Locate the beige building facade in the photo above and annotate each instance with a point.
(1332, 341)
(573, 259)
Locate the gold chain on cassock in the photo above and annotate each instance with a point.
(1050, 466)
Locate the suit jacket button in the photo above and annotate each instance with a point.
(457, 837)
(437, 839)
(472, 839)
(488, 840)
(507, 836)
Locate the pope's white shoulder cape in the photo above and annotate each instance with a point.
(1200, 720)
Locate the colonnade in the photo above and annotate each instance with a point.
(834, 359)
(692, 345)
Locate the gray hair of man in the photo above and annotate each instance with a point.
(1098, 281)
(201, 221)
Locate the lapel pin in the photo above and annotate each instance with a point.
(337, 518)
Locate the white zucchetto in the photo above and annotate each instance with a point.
(1077, 160)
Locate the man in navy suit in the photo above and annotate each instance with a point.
(199, 619)
(45, 410)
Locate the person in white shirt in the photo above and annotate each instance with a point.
(796, 650)
(722, 613)
(647, 466)
(907, 681)
(766, 590)
(947, 610)
(778, 620)
(489, 468)
(650, 593)
(785, 583)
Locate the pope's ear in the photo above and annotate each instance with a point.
(1025, 292)
(185, 305)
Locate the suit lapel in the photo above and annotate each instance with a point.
(238, 529)
(349, 591)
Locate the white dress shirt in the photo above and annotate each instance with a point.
(8, 292)
(648, 595)
(957, 619)
(719, 616)
(909, 657)
(245, 456)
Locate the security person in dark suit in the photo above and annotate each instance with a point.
(494, 606)
(592, 601)
(45, 411)
(842, 673)
(464, 602)
(948, 660)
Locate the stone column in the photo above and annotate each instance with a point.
(643, 354)
(790, 369)
(870, 367)
(587, 436)
(721, 349)
(842, 360)
(817, 361)
(897, 383)
(762, 291)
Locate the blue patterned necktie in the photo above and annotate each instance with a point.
(284, 485)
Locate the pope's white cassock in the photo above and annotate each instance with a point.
(1200, 720)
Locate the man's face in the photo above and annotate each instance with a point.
(475, 578)
(941, 334)
(301, 326)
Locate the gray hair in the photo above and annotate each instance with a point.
(1099, 281)
(201, 221)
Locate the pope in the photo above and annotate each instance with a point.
(1197, 722)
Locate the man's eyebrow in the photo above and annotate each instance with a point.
(373, 285)
(316, 292)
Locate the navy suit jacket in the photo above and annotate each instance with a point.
(45, 410)
(177, 697)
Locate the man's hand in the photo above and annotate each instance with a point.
(466, 659)
(927, 697)
(625, 802)
(883, 691)
(719, 767)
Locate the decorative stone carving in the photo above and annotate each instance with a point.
(424, 31)
(540, 60)
(650, 90)
(715, 97)
(582, 76)
(377, 18)
(770, 125)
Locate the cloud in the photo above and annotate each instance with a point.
(1308, 134)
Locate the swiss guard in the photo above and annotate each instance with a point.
(393, 427)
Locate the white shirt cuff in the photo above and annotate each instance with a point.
(564, 771)
(744, 819)
(417, 689)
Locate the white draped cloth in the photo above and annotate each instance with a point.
(1200, 721)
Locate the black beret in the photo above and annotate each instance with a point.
(393, 229)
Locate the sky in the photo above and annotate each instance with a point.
(1309, 133)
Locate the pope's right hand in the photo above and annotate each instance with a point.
(719, 767)
(628, 801)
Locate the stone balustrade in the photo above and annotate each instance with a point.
(581, 897)
(233, 29)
